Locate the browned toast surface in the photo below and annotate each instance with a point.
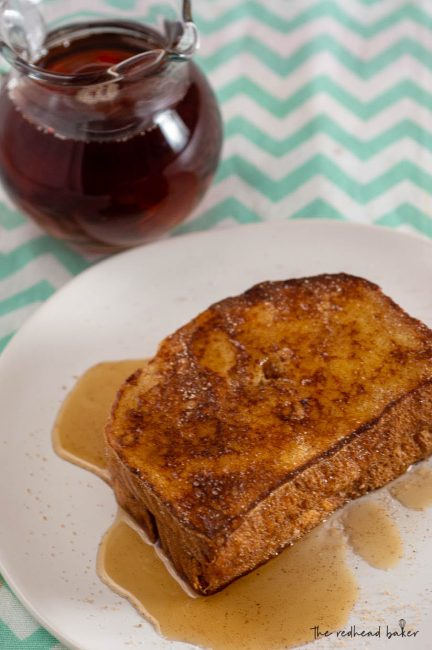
(255, 395)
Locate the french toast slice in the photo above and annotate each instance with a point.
(265, 414)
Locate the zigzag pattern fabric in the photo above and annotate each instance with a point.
(327, 111)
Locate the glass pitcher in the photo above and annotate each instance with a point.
(109, 133)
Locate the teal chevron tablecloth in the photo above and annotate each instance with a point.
(328, 113)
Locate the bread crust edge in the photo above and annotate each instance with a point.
(367, 459)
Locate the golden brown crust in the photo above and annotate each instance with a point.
(264, 414)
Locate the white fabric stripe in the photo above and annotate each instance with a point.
(15, 616)
(322, 104)
(316, 188)
(10, 239)
(370, 14)
(15, 319)
(322, 64)
(45, 267)
(277, 168)
(285, 44)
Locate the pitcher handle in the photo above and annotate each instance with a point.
(187, 38)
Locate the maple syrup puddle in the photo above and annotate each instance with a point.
(78, 434)
(415, 489)
(277, 605)
(372, 534)
(274, 607)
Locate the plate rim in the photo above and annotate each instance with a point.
(177, 239)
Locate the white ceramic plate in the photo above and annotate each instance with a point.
(53, 514)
